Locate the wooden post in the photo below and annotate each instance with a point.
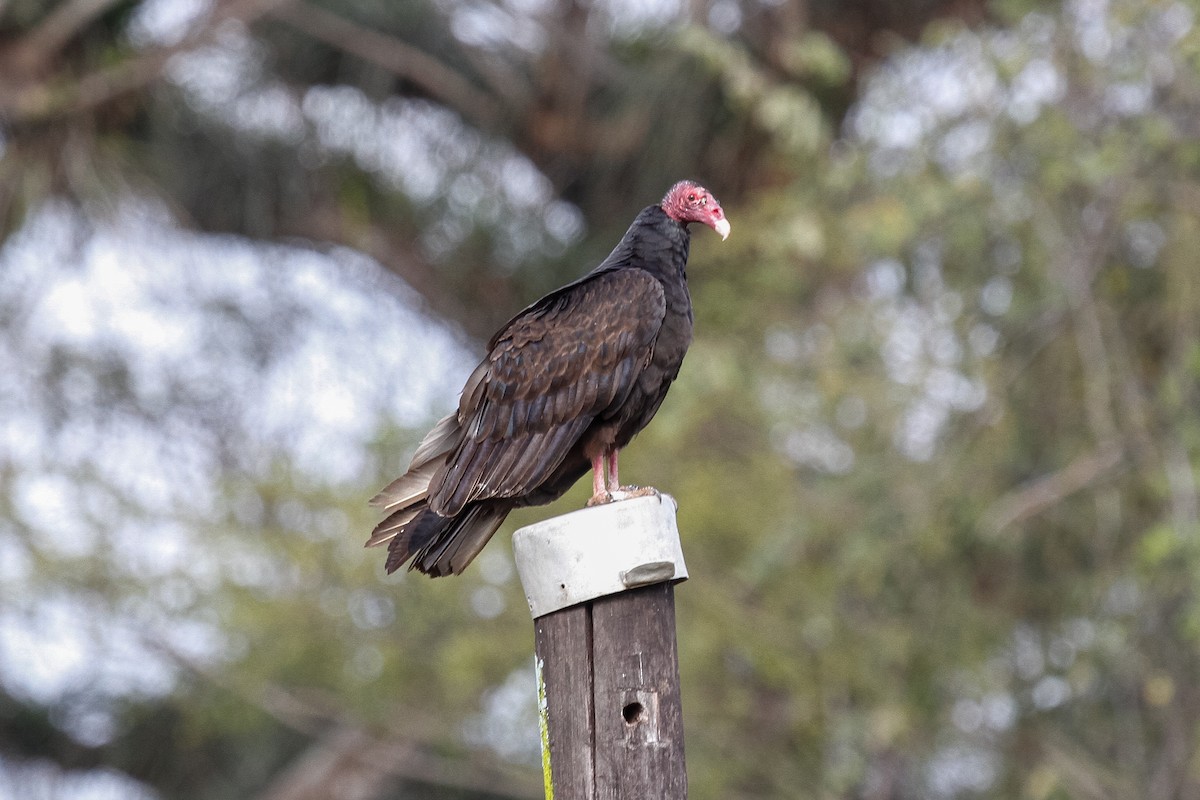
(600, 587)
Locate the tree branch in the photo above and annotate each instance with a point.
(1079, 259)
(34, 51)
(399, 58)
(55, 97)
(346, 753)
(349, 763)
(478, 302)
(1042, 493)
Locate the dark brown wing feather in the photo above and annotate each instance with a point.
(446, 545)
(570, 358)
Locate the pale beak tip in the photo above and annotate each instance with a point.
(721, 226)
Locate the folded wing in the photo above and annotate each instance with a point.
(554, 369)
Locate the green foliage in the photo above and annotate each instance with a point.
(1031, 556)
(935, 445)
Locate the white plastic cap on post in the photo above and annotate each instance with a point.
(598, 551)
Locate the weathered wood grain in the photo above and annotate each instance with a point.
(614, 716)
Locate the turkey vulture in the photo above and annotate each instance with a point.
(565, 384)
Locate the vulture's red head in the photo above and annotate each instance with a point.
(690, 202)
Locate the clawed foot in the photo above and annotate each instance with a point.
(623, 493)
(630, 492)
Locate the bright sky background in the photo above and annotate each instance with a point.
(138, 286)
(292, 353)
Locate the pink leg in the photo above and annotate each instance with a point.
(613, 482)
(599, 492)
(598, 477)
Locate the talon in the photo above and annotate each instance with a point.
(600, 498)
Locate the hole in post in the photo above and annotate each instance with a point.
(633, 713)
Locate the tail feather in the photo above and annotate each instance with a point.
(438, 442)
(408, 489)
(413, 485)
(441, 545)
(437, 545)
(393, 524)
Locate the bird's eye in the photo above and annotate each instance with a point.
(691, 198)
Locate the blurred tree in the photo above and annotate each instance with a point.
(935, 445)
(977, 579)
(228, 110)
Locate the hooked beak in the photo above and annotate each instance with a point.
(721, 226)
